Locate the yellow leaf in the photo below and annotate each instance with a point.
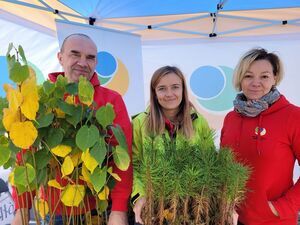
(42, 207)
(61, 150)
(76, 158)
(86, 174)
(168, 215)
(114, 175)
(29, 87)
(31, 71)
(70, 99)
(10, 116)
(55, 184)
(86, 177)
(103, 195)
(59, 113)
(30, 95)
(14, 97)
(73, 195)
(88, 183)
(11, 178)
(23, 134)
(29, 107)
(89, 161)
(67, 167)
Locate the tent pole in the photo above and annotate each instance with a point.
(44, 8)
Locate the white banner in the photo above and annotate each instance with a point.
(208, 67)
(40, 50)
(119, 61)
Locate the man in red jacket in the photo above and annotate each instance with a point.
(78, 56)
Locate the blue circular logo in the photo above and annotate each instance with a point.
(213, 88)
(5, 76)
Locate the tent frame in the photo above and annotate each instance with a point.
(162, 26)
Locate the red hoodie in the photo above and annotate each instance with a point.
(269, 144)
(122, 190)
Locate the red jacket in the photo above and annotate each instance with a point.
(122, 190)
(269, 144)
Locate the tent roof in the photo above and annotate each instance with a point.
(168, 19)
(141, 8)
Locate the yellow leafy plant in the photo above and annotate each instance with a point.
(55, 139)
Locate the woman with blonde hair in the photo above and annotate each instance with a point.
(263, 130)
(170, 116)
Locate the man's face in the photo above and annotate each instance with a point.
(78, 57)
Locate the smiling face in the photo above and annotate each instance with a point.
(78, 57)
(258, 80)
(169, 93)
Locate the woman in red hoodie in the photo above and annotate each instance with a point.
(264, 132)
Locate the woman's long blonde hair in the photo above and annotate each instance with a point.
(155, 120)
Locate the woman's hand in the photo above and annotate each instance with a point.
(235, 217)
(18, 217)
(118, 218)
(137, 209)
(274, 211)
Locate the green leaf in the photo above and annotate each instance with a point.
(53, 102)
(98, 178)
(111, 183)
(11, 60)
(72, 88)
(105, 115)
(4, 154)
(2, 128)
(3, 104)
(54, 137)
(121, 158)
(76, 116)
(44, 98)
(10, 46)
(24, 175)
(61, 82)
(42, 158)
(18, 73)
(85, 91)
(102, 205)
(42, 132)
(4, 141)
(119, 134)
(42, 109)
(66, 108)
(89, 114)
(41, 176)
(28, 158)
(21, 189)
(48, 87)
(69, 142)
(10, 163)
(22, 54)
(45, 120)
(59, 92)
(99, 151)
(13, 148)
(86, 137)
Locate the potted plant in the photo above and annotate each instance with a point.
(190, 183)
(56, 128)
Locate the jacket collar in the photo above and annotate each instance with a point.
(94, 80)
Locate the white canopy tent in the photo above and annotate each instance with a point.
(189, 33)
(161, 20)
